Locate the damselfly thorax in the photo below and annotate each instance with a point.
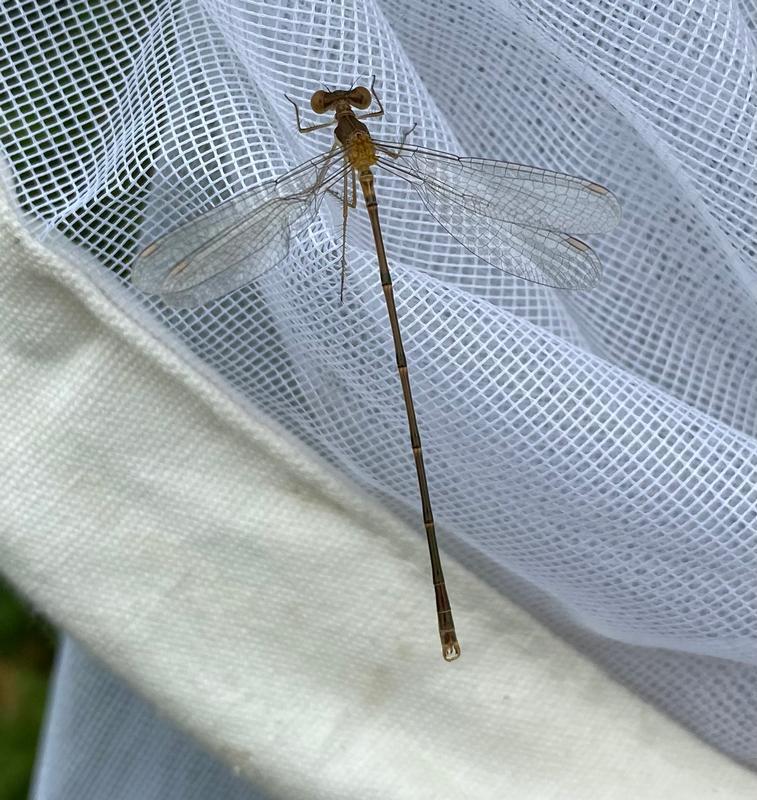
(350, 131)
(517, 218)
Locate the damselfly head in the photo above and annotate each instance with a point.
(321, 101)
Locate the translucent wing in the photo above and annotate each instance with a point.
(237, 241)
(514, 193)
(514, 217)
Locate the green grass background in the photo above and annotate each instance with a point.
(26, 654)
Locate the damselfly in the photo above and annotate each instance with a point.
(513, 217)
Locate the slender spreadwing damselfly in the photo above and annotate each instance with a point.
(513, 217)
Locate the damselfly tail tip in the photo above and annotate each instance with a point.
(450, 646)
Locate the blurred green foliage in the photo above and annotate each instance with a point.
(26, 653)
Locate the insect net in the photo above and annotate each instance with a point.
(592, 455)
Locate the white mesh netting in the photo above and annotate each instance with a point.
(592, 455)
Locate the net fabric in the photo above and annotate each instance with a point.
(591, 454)
(103, 740)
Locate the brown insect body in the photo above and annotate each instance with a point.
(360, 151)
(351, 133)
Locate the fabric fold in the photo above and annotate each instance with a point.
(265, 604)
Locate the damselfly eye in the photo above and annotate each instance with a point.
(318, 102)
(360, 97)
